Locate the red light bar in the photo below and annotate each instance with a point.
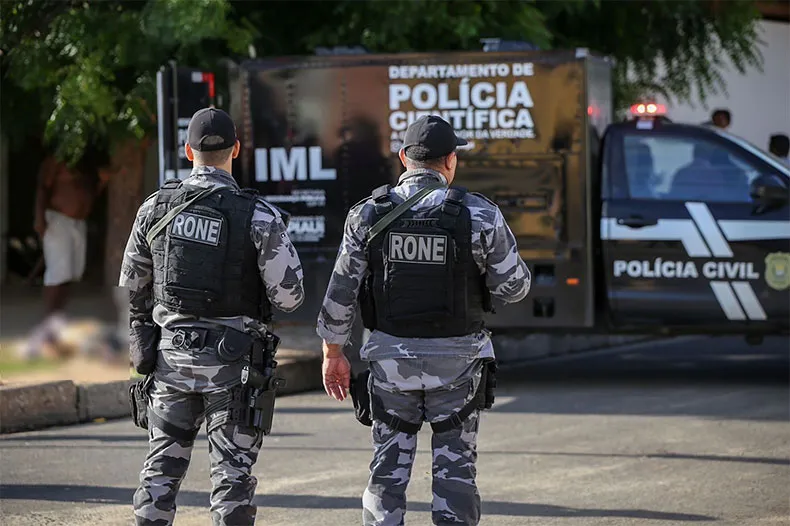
(650, 108)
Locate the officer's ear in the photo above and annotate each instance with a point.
(190, 154)
(450, 161)
(236, 149)
(402, 156)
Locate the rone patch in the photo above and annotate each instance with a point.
(418, 248)
(194, 227)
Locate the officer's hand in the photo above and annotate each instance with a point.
(336, 371)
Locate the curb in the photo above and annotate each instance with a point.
(32, 407)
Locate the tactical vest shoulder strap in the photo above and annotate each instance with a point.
(451, 207)
(399, 210)
(454, 201)
(162, 223)
(381, 198)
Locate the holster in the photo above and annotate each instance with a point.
(367, 306)
(360, 396)
(138, 401)
(487, 384)
(144, 345)
(253, 404)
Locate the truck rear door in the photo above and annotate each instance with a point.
(685, 243)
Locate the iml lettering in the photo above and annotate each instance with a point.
(418, 248)
(197, 228)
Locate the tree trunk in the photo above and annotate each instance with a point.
(124, 196)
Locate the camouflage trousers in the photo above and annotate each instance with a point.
(416, 389)
(185, 383)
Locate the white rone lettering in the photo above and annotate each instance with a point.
(189, 227)
(198, 228)
(417, 248)
(178, 224)
(410, 247)
(396, 247)
(213, 233)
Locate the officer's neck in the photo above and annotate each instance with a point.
(227, 167)
(417, 172)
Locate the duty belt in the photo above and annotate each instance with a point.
(190, 337)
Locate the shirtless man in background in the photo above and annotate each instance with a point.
(64, 200)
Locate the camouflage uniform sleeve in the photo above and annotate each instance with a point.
(507, 276)
(278, 262)
(339, 308)
(137, 268)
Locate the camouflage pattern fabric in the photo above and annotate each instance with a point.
(278, 262)
(187, 379)
(233, 450)
(430, 389)
(493, 248)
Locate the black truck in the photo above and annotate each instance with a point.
(638, 226)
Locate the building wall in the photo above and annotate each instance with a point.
(759, 102)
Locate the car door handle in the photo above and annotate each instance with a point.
(636, 221)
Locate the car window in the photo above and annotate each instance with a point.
(685, 169)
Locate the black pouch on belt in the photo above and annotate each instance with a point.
(138, 400)
(233, 345)
(360, 396)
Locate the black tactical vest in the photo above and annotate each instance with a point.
(205, 263)
(423, 281)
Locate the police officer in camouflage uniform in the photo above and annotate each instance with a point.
(206, 281)
(424, 281)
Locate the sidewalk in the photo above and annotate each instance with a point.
(46, 393)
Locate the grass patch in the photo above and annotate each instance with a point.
(17, 367)
(11, 364)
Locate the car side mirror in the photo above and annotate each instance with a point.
(768, 191)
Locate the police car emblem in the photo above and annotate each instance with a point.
(198, 228)
(417, 248)
(777, 270)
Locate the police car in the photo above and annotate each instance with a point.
(694, 228)
(638, 226)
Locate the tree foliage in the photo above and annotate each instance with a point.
(88, 69)
(83, 72)
(673, 48)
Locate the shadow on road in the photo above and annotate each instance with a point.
(143, 438)
(109, 495)
(661, 456)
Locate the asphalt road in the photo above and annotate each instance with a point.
(690, 432)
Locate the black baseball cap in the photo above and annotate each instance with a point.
(211, 122)
(430, 137)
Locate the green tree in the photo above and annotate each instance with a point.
(83, 73)
(89, 68)
(673, 48)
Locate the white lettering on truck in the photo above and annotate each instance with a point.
(659, 269)
(292, 164)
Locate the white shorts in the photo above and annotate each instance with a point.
(65, 242)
